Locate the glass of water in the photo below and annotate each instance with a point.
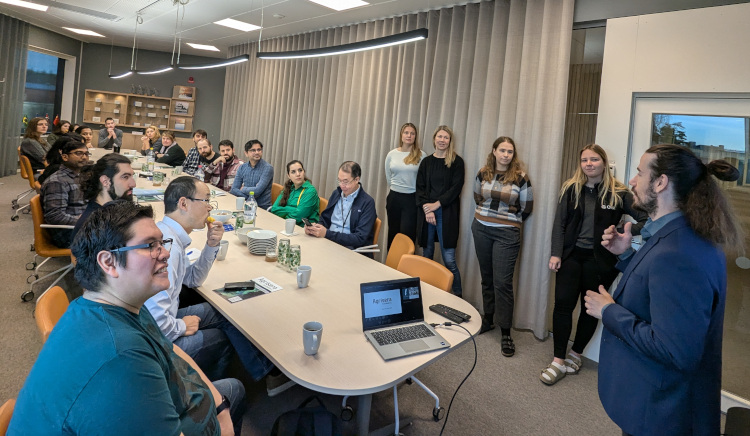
(294, 257)
(283, 252)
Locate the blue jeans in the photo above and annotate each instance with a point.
(211, 346)
(235, 392)
(449, 254)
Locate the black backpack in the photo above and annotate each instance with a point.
(307, 421)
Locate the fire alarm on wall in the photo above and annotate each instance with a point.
(191, 80)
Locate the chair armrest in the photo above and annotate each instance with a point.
(57, 226)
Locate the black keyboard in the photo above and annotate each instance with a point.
(403, 334)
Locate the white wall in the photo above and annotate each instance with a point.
(700, 50)
(694, 51)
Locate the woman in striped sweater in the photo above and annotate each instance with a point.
(502, 191)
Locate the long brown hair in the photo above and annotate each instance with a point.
(289, 185)
(610, 186)
(31, 130)
(515, 167)
(451, 155)
(698, 196)
(415, 155)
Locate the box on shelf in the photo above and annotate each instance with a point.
(137, 103)
(137, 125)
(164, 107)
(150, 106)
(96, 119)
(98, 100)
(184, 92)
(151, 115)
(137, 114)
(97, 109)
(162, 126)
(166, 116)
(116, 120)
(117, 102)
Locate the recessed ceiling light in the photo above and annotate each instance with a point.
(83, 32)
(340, 5)
(203, 47)
(24, 4)
(235, 24)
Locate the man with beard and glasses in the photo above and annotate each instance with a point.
(222, 171)
(110, 178)
(660, 357)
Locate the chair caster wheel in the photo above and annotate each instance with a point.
(32, 248)
(30, 279)
(27, 296)
(438, 413)
(14, 204)
(14, 218)
(30, 266)
(347, 413)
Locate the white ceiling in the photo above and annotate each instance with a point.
(159, 17)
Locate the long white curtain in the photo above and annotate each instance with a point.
(487, 69)
(14, 38)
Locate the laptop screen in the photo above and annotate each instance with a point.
(391, 302)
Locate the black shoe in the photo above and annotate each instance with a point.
(508, 347)
(487, 323)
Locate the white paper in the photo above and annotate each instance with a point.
(266, 285)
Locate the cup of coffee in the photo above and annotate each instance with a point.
(289, 224)
(223, 248)
(303, 276)
(312, 333)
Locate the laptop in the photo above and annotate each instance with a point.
(393, 319)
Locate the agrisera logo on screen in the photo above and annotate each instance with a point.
(383, 303)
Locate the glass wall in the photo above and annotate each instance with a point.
(728, 138)
(43, 91)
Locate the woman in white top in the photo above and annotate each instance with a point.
(401, 165)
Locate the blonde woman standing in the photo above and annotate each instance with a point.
(502, 191)
(590, 201)
(401, 165)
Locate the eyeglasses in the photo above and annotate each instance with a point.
(345, 182)
(80, 153)
(154, 247)
(209, 203)
(255, 150)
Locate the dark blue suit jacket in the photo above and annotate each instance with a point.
(361, 220)
(660, 357)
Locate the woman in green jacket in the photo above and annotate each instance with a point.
(299, 199)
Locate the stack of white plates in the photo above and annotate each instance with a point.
(259, 241)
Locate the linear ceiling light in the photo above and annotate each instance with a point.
(83, 32)
(236, 24)
(121, 75)
(203, 47)
(157, 71)
(219, 64)
(24, 4)
(386, 41)
(340, 5)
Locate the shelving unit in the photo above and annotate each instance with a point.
(140, 111)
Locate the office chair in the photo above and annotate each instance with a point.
(401, 245)
(44, 248)
(427, 270)
(49, 310)
(6, 412)
(378, 224)
(27, 173)
(737, 422)
(323, 205)
(275, 191)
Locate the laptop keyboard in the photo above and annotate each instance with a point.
(402, 334)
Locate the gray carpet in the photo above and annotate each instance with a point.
(502, 397)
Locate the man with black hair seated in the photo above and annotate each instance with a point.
(349, 219)
(106, 368)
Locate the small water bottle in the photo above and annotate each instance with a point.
(150, 159)
(251, 207)
(199, 174)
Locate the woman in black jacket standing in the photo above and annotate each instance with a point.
(440, 178)
(590, 201)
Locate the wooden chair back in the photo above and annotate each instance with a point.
(401, 245)
(275, 192)
(427, 270)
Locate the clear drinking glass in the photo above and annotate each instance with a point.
(294, 257)
(283, 252)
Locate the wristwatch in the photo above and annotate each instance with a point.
(224, 404)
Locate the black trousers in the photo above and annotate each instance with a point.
(578, 274)
(402, 215)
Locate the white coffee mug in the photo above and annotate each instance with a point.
(303, 276)
(289, 224)
(223, 248)
(312, 333)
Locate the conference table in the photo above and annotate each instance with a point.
(346, 363)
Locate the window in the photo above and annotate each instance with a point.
(43, 91)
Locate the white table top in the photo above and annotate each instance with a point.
(346, 364)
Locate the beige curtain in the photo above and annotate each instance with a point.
(487, 69)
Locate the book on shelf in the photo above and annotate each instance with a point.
(181, 107)
(186, 92)
(179, 123)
